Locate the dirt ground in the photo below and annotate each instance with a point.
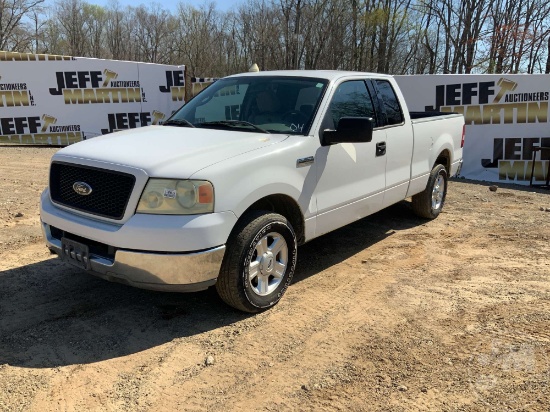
(391, 313)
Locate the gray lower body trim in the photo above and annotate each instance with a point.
(169, 272)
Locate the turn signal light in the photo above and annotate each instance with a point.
(206, 194)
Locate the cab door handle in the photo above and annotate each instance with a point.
(380, 149)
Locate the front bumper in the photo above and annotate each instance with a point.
(169, 272)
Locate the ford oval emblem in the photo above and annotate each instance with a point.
(82, 188)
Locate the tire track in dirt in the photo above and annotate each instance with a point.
(329, 345)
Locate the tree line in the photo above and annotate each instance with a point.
(387, 36)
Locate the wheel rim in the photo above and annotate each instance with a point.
(268, 265)
(438, 192)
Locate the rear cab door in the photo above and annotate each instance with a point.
(396, 123)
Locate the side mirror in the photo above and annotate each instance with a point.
(349, 130)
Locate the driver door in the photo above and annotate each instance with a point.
(350, 176)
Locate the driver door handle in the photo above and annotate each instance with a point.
(380, 148)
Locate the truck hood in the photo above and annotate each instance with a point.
(165, 151)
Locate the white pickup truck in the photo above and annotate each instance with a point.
(226, 189)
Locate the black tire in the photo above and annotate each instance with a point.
(429, 203)
(250, 280)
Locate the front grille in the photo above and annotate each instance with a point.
(110, 190)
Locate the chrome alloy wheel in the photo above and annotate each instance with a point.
(268, 265)
(438, 192)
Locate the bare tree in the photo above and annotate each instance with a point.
(152, 33)
(70, 21)
(199, 35)
(390, 36)
(95, 19)
(117, 31)
(519, 32)
(14, 33)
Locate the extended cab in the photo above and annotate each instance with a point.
(226, 189)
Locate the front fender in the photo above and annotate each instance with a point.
(242, 181)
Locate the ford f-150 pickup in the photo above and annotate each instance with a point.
(232, 183)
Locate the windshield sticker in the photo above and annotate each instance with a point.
(297, 127)
(319, 85)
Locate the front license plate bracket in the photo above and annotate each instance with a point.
(75, 253)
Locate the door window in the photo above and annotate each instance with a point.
(351, 99)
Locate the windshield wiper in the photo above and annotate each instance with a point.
(233, 123)
(178, 122)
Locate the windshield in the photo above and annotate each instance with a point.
(268, 104)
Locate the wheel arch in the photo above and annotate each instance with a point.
(444, 158)
(285, 206)
(443, 147)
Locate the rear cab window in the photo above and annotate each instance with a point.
(393, 113)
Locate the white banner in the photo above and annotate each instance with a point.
(59, 100)
(507, 121)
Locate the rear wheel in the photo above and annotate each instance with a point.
(259, 262)
(429, 203)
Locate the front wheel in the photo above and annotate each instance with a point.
(259, 262)
(429, 203)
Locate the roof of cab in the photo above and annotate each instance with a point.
(319, 74)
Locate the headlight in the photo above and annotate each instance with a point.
(177, 197)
